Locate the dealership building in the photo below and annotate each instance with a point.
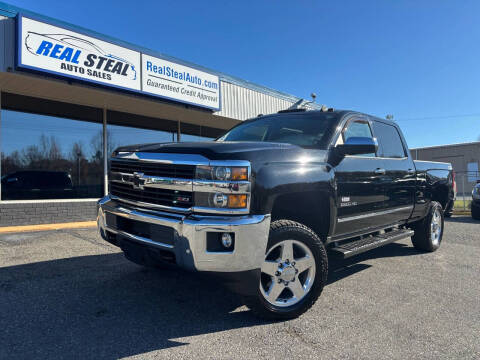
(69, 96)
(465, 160)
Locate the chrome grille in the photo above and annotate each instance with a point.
(157, 196)
(179, 171)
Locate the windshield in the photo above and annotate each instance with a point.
(303, 129)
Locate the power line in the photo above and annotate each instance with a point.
(438, 117)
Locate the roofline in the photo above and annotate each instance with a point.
(447, 145)
(12, 11)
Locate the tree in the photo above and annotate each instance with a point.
(77, 151)
(97, 146)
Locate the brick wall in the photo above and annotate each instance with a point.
(46, 213)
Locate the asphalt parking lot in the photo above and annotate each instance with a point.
(67, 294)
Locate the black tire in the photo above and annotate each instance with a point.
(476, 212)
(282, 230)
(422, 239)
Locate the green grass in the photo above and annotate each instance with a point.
(458, 205)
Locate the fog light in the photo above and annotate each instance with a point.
(227, 240)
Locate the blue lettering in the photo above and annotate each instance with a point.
(66, 54)
(56, 51)
(75, 57)
(149, 66)
(44, 48)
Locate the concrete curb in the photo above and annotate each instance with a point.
(46, 227)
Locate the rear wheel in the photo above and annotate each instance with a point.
(293, 273)
(429, 232)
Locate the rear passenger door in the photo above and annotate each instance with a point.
(400, 175)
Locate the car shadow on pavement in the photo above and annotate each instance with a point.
(104, 307)
(462, 219)
(342, 268)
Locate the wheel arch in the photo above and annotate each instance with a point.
(313, 209)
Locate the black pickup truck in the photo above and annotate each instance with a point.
(263, 204)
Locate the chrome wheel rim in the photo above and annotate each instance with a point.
(436, 227)
(287, 273)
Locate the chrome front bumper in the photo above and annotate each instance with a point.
(190, 236)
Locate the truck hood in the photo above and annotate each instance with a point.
(217, 150)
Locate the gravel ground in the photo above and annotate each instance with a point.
(67, 295)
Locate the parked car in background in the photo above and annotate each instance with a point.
(476, 201)
(262, 204)
(35, 185)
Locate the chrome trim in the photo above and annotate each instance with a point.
(226, 187)
(235, 163)
(151, 206)
(151, 181)
(164, 158)
(140, 239)
(376, 213)
(251, 236)
(219, 211)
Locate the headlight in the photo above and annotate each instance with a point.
(222, 173)
(221, 200)
(219, 188)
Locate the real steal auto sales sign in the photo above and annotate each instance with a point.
(53, 49)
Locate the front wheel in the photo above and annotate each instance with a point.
(293, 273)
(429, 232)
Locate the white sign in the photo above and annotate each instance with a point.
(63, 52)
(177, 82)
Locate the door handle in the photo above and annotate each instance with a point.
(380, 171)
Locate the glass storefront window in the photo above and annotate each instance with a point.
(125, 135)
(45, 157)
(186, 138)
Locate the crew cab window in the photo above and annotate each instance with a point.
(391, 145)
(358, 128)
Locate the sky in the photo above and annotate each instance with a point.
(416, 60)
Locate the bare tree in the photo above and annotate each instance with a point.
(77, 151)
(97, 146)
(50, 147)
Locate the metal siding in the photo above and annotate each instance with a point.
(242, 103)
(3, 44)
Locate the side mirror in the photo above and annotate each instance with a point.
(358, 146)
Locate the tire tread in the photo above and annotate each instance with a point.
(288, 225)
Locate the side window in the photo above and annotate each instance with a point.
(391, 145)
(358, 128)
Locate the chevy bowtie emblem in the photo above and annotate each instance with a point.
(138, 181)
